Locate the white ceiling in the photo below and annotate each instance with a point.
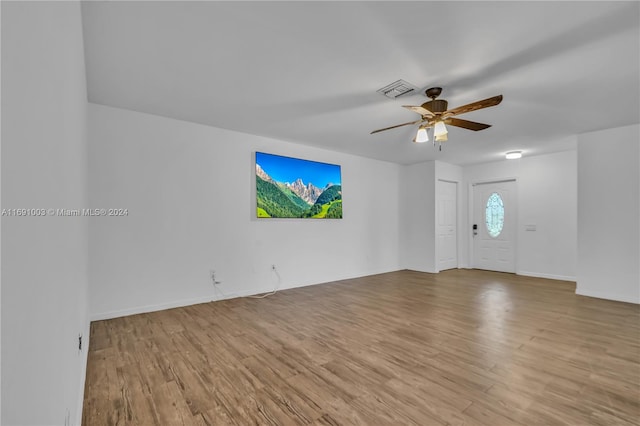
(307, 72)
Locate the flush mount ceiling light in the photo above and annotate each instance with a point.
(434, 113)
(513, 155)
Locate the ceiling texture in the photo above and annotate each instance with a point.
(308, 72)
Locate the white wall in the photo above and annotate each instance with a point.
(418, 217)
(44, 263)
(608, 214)
(547, 198)
(189, 190)
(0, 230)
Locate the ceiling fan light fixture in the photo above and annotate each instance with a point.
(513, 155)
(422, 136)
(435, 112)
(440, 129)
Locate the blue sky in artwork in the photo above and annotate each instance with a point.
(287, 169)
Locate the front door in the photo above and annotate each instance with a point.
(494, 226)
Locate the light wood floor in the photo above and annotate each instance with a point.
(460, 347)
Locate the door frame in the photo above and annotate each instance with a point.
(470, 213)
(458, 223)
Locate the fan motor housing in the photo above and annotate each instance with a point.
(436, 105)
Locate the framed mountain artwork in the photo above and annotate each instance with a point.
(294, 188)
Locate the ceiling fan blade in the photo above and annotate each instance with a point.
(420, 110)
(397, 125)
(485, 103)
(466, 124)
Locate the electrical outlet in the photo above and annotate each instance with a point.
(212, 275)
(67, 418)
(80, 342)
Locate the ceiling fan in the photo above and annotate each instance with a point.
(434, 114)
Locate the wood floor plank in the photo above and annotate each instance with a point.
(462, 347)
(330, 404)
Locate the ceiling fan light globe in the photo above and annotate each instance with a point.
(422, 136)
(440, 129)
(441, 138)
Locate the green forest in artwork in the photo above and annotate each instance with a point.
(294, 188)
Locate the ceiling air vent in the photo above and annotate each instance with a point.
(397, 89)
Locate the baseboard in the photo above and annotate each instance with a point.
(211, 298)
(86, 336)
(539, 275)
(606, 295)
(425, 270)
(158, 307)
(547, 276)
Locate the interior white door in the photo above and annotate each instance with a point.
(494, 226)
(446, 230)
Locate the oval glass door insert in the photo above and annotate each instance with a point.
(494, 215)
